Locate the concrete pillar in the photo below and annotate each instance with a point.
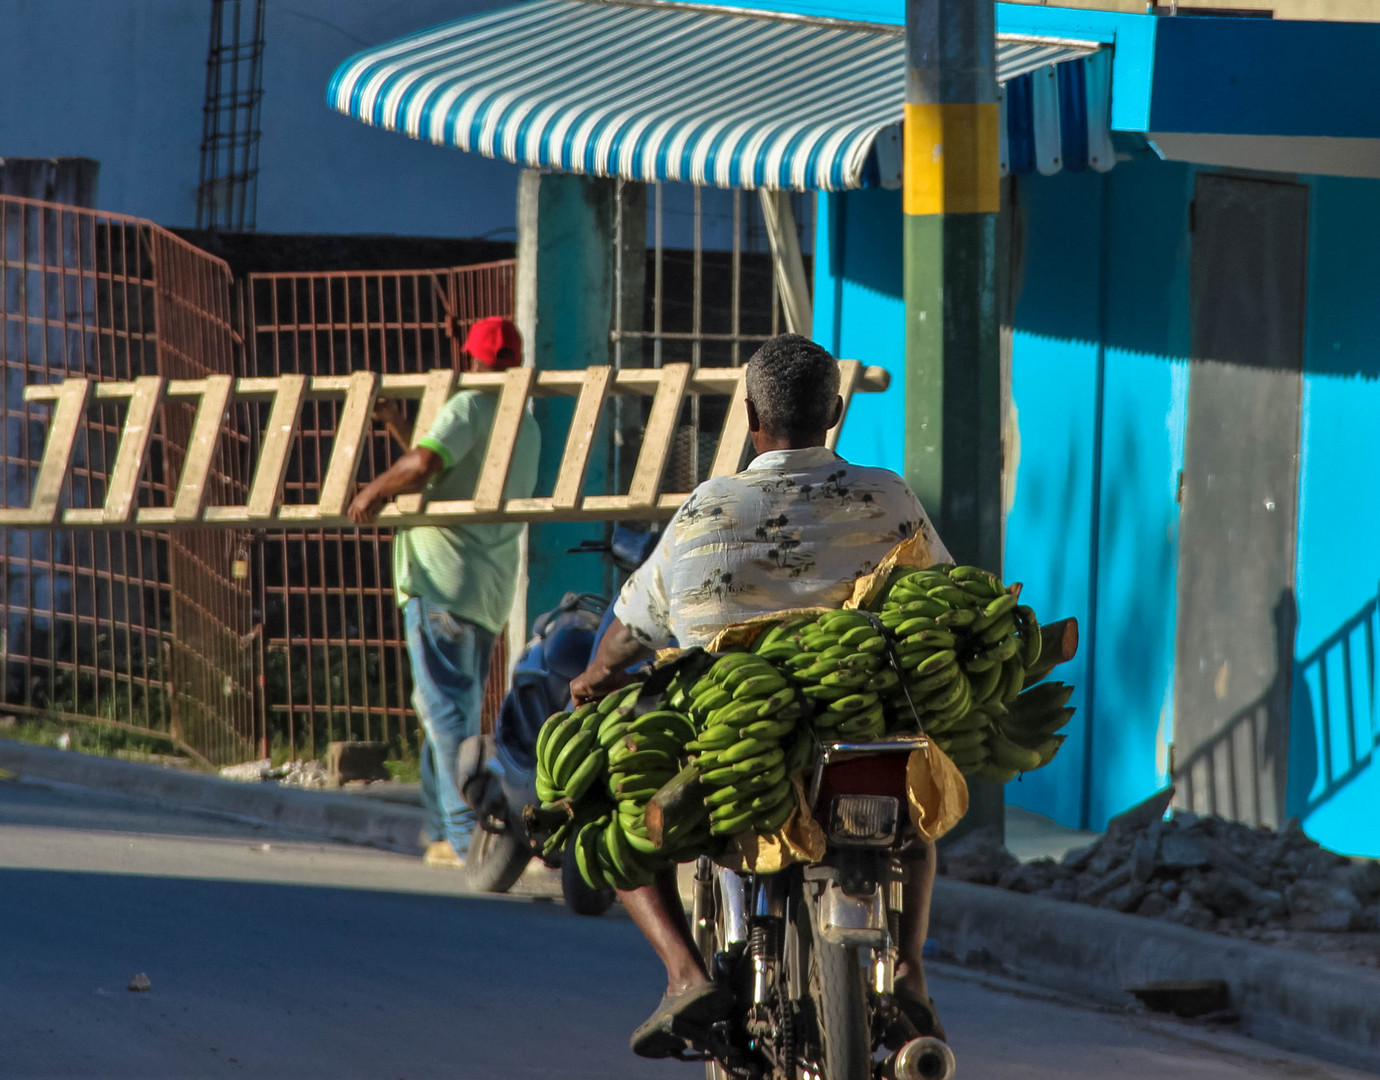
(565, 310)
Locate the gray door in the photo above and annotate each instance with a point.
(1238, 493)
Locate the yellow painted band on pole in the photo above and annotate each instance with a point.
(951, 162)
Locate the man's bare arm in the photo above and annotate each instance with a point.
(618, 651)
(408, 474)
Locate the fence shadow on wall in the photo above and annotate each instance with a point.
(1328, 700)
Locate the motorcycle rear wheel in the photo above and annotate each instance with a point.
(842, 1031)
(496, 860)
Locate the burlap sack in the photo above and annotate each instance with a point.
(938, 793)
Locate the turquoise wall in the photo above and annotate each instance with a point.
(1097, 364)
(1334, 779)
(568, 220)
(1098, 386)
(859, 313)
(1100, 389)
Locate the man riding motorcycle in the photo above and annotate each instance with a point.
(794, 529)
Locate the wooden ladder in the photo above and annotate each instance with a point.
(263, 507)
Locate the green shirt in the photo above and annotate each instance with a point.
(470, 570)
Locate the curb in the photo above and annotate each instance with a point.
(330, 815)
(1286, 998)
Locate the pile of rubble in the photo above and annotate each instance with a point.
(304, 774)
(1205, 873)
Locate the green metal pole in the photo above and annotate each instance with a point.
(952, 197)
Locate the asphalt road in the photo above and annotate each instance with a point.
(271, 956)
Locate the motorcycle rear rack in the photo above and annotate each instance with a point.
(843, 751)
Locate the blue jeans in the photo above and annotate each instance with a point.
(450, 662)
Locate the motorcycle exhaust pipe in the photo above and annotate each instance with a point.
(921, 1059)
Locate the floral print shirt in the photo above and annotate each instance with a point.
(794, 529)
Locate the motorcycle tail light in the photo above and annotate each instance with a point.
(863, 820)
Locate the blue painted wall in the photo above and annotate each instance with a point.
(1098, 384)
(1049, 529)
(859, 313)
(1143, 421)
(1334, 778)
(1093, 537)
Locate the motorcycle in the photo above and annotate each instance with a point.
(498, 772)
(809, 953)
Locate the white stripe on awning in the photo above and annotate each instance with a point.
(654, 92)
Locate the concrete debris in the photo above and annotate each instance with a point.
(1206, 873)
(247, 771)
(979, 857)
(304, 774)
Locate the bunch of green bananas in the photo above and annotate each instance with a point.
(1025, 735)
(746, 714)
(839, 661)
(629, 759)
(963, 642)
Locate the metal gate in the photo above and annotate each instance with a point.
(131, 630)
(709, 306)
(335, 660)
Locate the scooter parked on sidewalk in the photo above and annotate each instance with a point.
(498, 772)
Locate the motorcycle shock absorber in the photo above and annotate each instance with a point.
(764, 939)
(763, 950)
(884, 966)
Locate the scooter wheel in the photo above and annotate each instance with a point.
(496, 860)
(579, 897)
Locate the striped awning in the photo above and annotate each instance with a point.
(656, 91)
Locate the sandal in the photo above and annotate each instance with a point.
(917, 1019)
(679, 1018)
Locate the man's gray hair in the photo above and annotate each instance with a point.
(793, 383)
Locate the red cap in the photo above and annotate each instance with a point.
(488, 337)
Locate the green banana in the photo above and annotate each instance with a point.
(642, 761)
(1003, 628)
(611, 730)
(759, 686)
(992, 773)
(718, 737)
(935, 663)
(735, 714)
(745, 749)
(572, 753)
(586, 860)
(658, 741)
(671, 723)
(769, 821)
(715, 697)
(584, 776)
(759, 762)
(732, 825)
(770, 730)
(544, 734)
(568, 729)
(1011, 755)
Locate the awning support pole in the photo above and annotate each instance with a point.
(787, 262)
(951, 201)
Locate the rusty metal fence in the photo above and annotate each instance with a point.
(225, 643)
(133, 630)
(335, 661)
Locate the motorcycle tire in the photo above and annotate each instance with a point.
(496, 860)
(842, 1034)
(578, 896)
